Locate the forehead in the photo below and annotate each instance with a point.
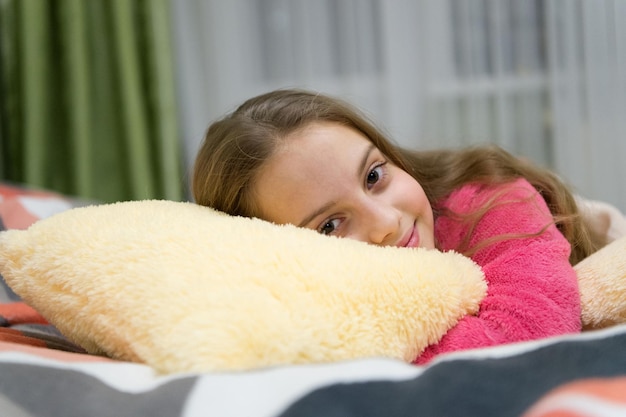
(314, 166)
(324, 136)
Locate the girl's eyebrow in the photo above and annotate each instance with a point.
(328, 205)
(316, 213)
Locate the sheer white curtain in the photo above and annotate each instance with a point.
(363, 50)
(545, 79)
(587, 44)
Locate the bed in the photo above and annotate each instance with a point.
(42, 373)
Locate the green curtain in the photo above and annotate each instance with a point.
(88, 104)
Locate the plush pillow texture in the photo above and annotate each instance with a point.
(182, 287)
(602, 281)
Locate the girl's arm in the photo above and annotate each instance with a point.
(532, 288)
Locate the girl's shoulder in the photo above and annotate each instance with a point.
(476, 213)
(474, 196)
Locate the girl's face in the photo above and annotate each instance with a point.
(332, 179)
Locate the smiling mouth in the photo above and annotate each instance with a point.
(413, 239)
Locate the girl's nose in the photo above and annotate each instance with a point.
(382, 224)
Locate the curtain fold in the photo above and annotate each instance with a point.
(586, 44)
(88, 98)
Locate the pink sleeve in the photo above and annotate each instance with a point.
(532, 288)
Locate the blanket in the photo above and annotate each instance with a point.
(525, 379)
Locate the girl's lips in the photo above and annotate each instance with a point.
(412, 240)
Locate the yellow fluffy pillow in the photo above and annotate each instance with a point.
(184, 288)
(602, 280)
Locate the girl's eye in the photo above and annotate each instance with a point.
(329, 227)
(375, 175)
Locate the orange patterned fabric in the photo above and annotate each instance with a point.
(20, 207)
(19, 313)
(595, 397)
(20, 323)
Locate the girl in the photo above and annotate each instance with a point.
(292, 156)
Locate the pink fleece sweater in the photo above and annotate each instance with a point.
(532, 288)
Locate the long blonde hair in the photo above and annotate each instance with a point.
(236, 147)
